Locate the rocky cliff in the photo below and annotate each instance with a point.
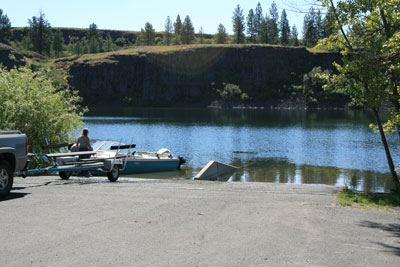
(10, 58)
(179, 75)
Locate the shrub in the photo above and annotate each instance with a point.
(231, 92)
(31, 103)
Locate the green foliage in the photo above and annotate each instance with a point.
(127, 100)
(109, 44)
(221, 37)
(313, 91)
(251, 28)
(39, 34)
(310, 28)
(273, 22)
(93, 32)
(238, 25)
(350, 198)
(294, 41)
(369, 44)
(187, 35)
(178, 28)
(258, 18)
(231, 92)
(148, 35)
(263, 32)
(284, 29)
(29, 102)
(58, 43)
(94, 43)
(168, 31)
(5, 28)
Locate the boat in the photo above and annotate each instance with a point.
(138, 161)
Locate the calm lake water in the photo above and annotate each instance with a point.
(280, 146)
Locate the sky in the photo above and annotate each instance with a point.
(132, 15)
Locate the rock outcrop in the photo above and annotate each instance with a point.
(189, 74)
(10, 58)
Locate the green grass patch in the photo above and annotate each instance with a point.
(350, 198)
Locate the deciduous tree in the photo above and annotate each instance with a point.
(31, 103)
(369, 41)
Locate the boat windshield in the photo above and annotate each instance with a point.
(104, 145)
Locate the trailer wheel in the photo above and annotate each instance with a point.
(65, 175)
(6, 178)
(113, 175)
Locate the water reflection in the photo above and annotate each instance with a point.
(281, 171)
(299, 147)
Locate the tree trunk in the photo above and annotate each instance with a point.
(387, 151)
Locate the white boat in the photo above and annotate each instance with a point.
(138, 161)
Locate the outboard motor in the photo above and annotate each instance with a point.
(181, 161)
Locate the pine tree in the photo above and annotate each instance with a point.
(284, 29)
(94, 46)
(263, 33)
(251, 31)
(328, 24)
(187, 31)
(258, 18)
(109, 43)
(77, 48)
(84, 44)
(168, 31)
(318, 25)
(5, 28)
(148, 34)
(238, 25)
(58, 43)
(93, 31)
(201, 36)
(273, 24)
(294, 40)
(310, 31)
(40, 34)
(221, 36)
(178, 27)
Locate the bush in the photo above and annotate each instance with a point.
(31, 103)
(231, 92)
(312, 92)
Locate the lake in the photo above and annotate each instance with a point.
(334, 147)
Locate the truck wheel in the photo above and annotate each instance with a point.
(113, 174)
(6, 178)
(65, 175)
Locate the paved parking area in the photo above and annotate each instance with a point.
(137, 222)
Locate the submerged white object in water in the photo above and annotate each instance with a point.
(214, 170)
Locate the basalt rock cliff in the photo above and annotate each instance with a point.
(10, 58)
(182, 75)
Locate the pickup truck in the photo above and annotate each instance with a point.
(13, 157)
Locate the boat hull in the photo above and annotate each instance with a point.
(150, 165)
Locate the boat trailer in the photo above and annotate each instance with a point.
(68, 163)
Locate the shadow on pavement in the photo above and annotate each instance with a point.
(393, 229)
(13, 195)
